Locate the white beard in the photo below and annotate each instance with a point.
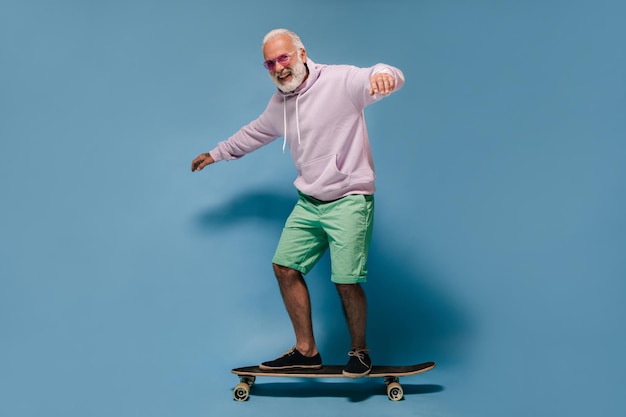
(298, 74)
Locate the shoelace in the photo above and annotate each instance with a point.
(290, 352)
(360, 354)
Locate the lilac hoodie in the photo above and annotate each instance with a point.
(324, 124)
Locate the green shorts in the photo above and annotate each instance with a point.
(344, 226)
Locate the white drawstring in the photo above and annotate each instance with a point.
(298, 119)
(285, 121)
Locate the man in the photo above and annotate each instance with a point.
(318, 110)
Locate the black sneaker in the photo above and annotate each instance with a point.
(293, 360)
(359, 364)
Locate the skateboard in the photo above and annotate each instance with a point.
(390, 374)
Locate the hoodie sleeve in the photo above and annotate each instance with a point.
(358, 83)
(249, 138)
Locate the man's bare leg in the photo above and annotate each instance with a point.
(298, 304)
(355, 309)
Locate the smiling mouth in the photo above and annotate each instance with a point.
(283, 77)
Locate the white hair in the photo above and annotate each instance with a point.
(295, 39)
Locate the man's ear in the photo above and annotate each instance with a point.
(303, 55)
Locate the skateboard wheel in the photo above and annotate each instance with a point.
(241, 391)
(394, 391)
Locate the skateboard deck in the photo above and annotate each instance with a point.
(390, 374)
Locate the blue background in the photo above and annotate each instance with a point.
(130, 286)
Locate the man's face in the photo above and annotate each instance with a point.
(285, 62)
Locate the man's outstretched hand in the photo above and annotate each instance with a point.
(201, 161)
(382, 83)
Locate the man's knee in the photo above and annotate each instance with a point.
(285, 273)
(349, 289)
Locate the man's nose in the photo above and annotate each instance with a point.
(278, 67)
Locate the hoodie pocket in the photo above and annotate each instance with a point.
(322, 176)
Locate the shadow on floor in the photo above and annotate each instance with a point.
(355, 391)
